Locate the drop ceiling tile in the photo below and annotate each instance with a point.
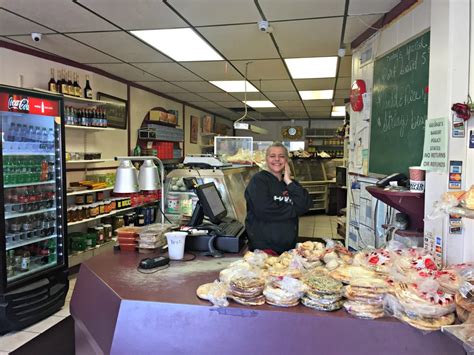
(10, 24)
(358, 7)
(135, 15)
(186, 96)
(344, 82)
(232, 104)
(282, 95)
(342, 94)
(246, 41)
(317, 103)
(346, 66)
(315, 84)
(197, 86)
(297, 115)
(125, 71)
(223, 12)
(268, 109)
(263, 69)
(62, 16)
(339, 102)
(251, 96)
(205, 104)
(288, 105)
(121, 45)
(217, 70)
(67, 48)
(294, 111)
(356, 25)
(309, 38)
(162, 86)
(284, 9)
(168, 71)
(218, 97)
(273, 85)
(319, 114)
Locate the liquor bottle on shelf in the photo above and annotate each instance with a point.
(64, 87)
(52, 82)
(77, 87)
(70, 85)
(87, 89)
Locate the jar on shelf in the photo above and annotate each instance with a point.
(94, 210)
(89, 198)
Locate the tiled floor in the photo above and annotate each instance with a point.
(13, 340)
(319, 226)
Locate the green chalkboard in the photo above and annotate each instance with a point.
(399, 107)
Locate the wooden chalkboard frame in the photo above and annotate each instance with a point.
(399, 107)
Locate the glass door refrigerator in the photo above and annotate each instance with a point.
(33, 254)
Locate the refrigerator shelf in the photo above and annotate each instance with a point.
(30, 184)
(29, 241)
(29, 154)
(33, 270)
(16, 215)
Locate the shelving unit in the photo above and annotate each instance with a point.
(21, 243)
(102, 216)
(84, 192)
(92, 129)
(16, 215)
(91, 161)
(79, 257)
(72, 98)
(33, 269)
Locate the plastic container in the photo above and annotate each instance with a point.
(128, 247)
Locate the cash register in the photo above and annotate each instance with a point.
(211, 231)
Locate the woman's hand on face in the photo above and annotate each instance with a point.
(287, 174)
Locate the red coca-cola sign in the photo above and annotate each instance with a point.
(27, 104)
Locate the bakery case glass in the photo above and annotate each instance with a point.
(234, 150)
(230, 181)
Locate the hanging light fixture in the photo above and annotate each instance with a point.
(126, 179)
(148, 178)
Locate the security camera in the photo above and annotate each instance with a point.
(263, 25)
(36, 36)
(341, 52)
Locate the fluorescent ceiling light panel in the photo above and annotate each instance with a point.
(234, 86)
(260, 104)
(316, 94)
(308, 68)
(338, 111)
(181, 44)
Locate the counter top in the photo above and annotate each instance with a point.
(119, 310)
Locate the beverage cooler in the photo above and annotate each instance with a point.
(33, 259)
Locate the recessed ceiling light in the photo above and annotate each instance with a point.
(260, 104)
(338, 111)
(181, 44)
(234, 86)
(316, 94)
(308, 68)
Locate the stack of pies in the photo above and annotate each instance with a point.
(215, 292)
(324, 294)
(247, 290)
(422, 310)
(464, 306)
(365, 297)
(346, 273)
(280, 297)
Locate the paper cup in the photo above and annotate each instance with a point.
(176, 244)
(417, 179)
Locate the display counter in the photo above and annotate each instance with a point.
(118, 310)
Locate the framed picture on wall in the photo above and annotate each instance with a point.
(207, 124)
(193, 136)
(115, 110)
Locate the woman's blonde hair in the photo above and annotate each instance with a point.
(278, 145)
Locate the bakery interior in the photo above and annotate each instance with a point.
(124, 125)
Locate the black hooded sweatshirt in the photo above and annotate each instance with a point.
(273, 209)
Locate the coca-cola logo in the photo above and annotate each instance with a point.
(21, 104)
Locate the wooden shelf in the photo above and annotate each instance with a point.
(73, 98)
(160, 123)
(211, 134)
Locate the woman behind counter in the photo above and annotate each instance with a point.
(274, 203)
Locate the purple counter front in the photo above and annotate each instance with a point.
(118, 310)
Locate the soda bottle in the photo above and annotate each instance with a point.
(31, 134)
(24, 133)
(44, 135)
(25, 261)
(44, 170)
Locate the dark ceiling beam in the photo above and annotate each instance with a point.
(390, 16)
